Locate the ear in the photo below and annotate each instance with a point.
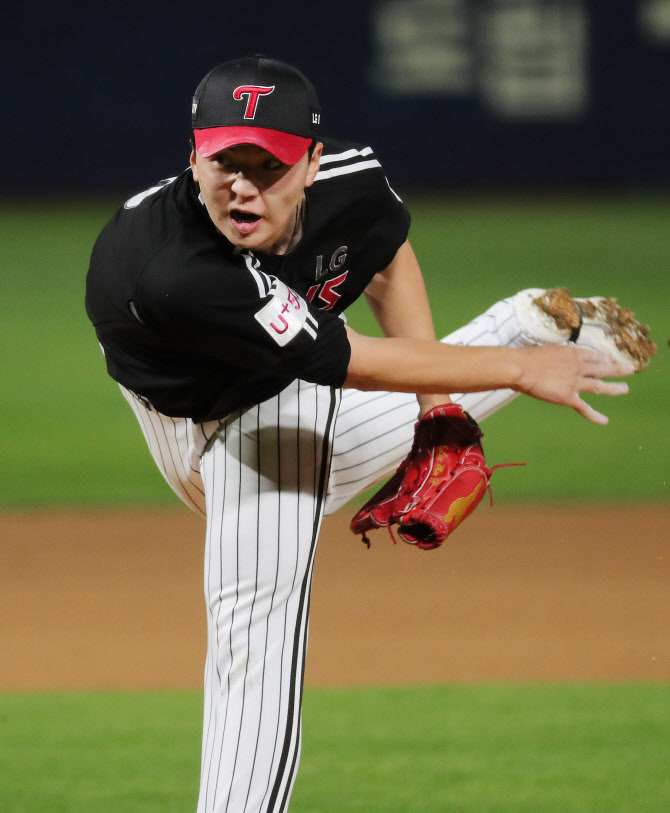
(313, 167)
(194, 167)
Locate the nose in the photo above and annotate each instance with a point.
(244, 186)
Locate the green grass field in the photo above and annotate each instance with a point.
(470, 749)
(68, 438)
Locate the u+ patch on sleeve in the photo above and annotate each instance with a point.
(285, 315)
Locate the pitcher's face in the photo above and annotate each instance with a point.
(253, 198)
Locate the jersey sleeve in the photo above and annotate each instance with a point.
(245, 317)
(393, 225)
(355, 212)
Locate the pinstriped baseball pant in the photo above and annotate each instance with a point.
(264, 478)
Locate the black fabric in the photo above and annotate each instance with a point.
(175, 305)
(289, 102)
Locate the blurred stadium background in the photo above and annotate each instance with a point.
(453, 94)
(530, 141)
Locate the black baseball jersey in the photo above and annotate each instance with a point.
(201, 328)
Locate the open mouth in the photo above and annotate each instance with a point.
(244, 223)
(244, 217)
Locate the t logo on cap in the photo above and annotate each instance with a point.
(252, 92)
(227, 109)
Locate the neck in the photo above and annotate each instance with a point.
(293, 233)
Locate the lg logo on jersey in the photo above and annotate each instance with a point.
(253, 93)
(336, 262)
(328, 293)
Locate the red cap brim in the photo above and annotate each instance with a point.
(288, 148)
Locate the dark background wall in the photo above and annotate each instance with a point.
(452, 93)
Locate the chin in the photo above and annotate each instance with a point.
(240, 240)
(253, 241)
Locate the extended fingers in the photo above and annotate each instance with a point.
(567, 371)
(589, 412)
(597, 365)
(599, 387)
(594, 367)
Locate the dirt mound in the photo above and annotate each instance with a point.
(114, 600)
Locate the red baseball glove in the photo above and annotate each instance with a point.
(440, 482)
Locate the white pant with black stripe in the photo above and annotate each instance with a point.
(264, 478)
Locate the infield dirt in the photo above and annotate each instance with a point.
(113, 599)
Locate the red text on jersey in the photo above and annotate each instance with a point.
(328, 295)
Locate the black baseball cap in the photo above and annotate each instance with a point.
(255, 100)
